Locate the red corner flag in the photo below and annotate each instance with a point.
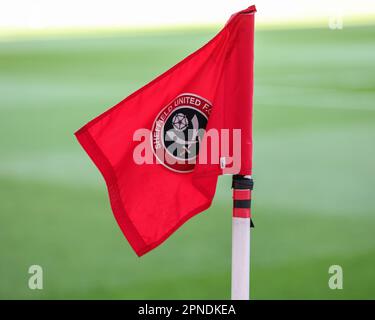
(162, 149)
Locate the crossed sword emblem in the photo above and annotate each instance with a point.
(173, 136)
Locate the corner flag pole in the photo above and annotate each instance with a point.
(241, 224)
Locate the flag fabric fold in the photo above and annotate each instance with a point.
(149, 147)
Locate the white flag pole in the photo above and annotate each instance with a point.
(241, 223)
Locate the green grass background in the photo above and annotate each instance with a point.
(314, 167)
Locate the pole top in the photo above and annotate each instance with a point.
(242, 182)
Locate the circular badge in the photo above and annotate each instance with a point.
(178, 131)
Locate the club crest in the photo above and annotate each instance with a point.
(178, 131)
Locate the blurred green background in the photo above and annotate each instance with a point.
(314, 133)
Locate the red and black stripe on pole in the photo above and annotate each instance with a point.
(242, 187)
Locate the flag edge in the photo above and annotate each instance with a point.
(249, 10)
(128, 229)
